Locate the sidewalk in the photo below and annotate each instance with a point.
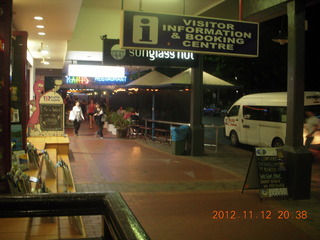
(184, 197)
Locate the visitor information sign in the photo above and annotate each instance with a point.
(142, 30)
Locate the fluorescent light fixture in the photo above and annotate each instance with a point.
(44, 52)
(40, 26)
(41, 33)
(95, 71)
(45, 62)
(39, 18)
(30, 58)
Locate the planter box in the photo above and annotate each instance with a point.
(110, 127)
(121, 133)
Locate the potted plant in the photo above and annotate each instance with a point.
(111, 127)
(121, 124)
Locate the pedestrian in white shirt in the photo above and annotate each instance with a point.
(78, 117)
(312, 125)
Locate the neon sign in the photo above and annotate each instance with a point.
(95, 80)
(110, 79)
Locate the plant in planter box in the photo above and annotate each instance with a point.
(111, 127)
(121, 124)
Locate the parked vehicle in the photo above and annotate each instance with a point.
(211, 110)
(260, 119)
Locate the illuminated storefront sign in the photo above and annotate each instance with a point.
(114, 55)
(95, 80)
(95, 74)
(95, 71)
(152, 55)
(77, 80)
(110, 79)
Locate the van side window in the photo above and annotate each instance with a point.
(234, 111)
(265, 113)
(278, 114)
(253, 112)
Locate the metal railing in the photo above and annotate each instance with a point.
(165, 122)
(214, 127)
(118, 220)
(215, 134)
(146, 121)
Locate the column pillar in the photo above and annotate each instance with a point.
(5, 123)
(197, 129)
(299, 159)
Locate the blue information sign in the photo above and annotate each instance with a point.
(142, 30)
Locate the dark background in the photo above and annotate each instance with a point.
(268, 72)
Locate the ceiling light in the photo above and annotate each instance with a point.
(41, 33)
(40, 26)
(38, 18)
(281, 38)
(42, 50)
(43, 61)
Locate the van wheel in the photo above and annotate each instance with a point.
(277, 142)
(234, 138)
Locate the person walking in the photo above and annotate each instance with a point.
(98, 115)
(312, 125)
(78, 117)
(91, 108)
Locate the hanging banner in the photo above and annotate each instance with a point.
(142, 30)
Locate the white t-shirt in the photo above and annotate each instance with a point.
(77, 113)
(312, 123)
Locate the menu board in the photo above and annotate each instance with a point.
(267, 172)
(271, 172)
(51, 117)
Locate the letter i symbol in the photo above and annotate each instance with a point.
(145, 30)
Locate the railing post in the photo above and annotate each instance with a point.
(106, 234)
(118, 220)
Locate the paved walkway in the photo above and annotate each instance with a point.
(179, 197)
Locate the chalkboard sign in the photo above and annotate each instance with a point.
(51, 117)
(267, 171)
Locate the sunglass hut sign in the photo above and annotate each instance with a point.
(142, 30)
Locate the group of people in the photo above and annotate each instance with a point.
(95, 113)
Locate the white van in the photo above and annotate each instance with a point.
(260, 119)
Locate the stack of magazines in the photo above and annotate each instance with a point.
(19, 182)
(51, 173)
(66, 173)
(33, 156)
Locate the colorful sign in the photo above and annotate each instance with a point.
(142, 30)
(95, 80)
